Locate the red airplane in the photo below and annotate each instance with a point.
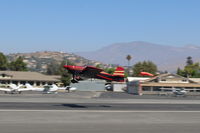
(80, 72)
(146, 74)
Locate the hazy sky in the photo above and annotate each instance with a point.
(85, 25)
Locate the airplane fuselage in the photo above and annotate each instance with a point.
(80, 72)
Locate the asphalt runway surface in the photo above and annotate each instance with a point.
(99, 106)
(86, 113)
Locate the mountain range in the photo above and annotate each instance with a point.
(167, 58)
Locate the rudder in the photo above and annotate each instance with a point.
(119, 71)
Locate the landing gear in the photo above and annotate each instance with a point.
(109, 86)
(74, 81)
(68, 89)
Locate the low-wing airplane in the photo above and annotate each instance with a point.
(33, 88)
(56, 88)
(175, 91)
(84, 72)
(45, 89)
(14, 89)
(180, 92)
(50, 88)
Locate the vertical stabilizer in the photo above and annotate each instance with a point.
(55, 86)
(119, 72)
(13, 86)
(28, 85)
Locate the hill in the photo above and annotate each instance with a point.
(38, 61)
(166, 57)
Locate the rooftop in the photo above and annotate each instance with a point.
(24, 76)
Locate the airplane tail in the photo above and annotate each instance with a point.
(28, 85)
(55, 86)
(119, 71)
(13, 86)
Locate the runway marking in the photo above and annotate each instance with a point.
(102, 111)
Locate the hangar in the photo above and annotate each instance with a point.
(169, 80)
(153, 85)
(23, 77)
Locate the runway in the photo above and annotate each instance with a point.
(99, 106)
(88, 115)
(99, 122)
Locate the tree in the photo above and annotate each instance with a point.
(18, 65)
(3, 62)
(99, 66)
(110, 70)
(191, 69)
(54, 68)
(65, 75)
(145, 66)
(128, 57)
(179, 71)
(189, 61)
(66, 78)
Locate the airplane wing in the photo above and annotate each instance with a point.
(37, 89)
(192, 90)
(91, 72)
(146, 74)
(31, 88)
(24, 89)
(5, 89)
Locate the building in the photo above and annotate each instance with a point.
(197, 80)
(90, 85)
(169, 80)
(21, 77)
(141, 79)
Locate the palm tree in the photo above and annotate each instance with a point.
(128, 57)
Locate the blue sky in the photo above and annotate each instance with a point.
(86, 25)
